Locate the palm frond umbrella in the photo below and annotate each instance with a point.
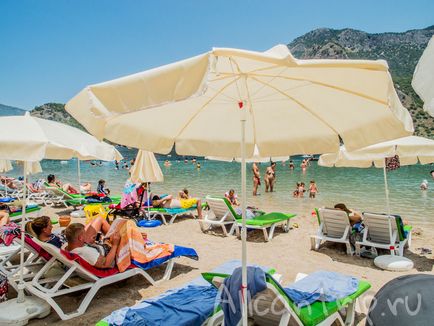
(224, 102)
(423, 78)
(29, 139)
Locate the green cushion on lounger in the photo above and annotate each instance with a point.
(28, 210)
(316, 312)
(268, 218)
(319, 311)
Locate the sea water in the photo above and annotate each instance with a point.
(359, 189)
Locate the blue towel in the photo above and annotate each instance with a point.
(231, 295)
(321, 286)
(189, 306)
(173, 211)
(7, 199)
(177, 252)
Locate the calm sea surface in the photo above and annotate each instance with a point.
(361, 189)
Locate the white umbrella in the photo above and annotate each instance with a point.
(146, 169)
(411, 150)
(224, 102)
(5, 166)
(255, 158)
(30, 139)
(423, 78)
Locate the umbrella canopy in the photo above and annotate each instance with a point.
(293, 106)
(5, 166)
(224, 102)
(423, 78)
(26, 138)
(146, 168)
(255, 158)
(410, 150)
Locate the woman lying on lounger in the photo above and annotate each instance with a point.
(353, 216)
(41, 228)
(170, 202)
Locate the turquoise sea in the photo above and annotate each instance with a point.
(360, 189)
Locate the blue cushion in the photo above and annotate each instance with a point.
(149, 223)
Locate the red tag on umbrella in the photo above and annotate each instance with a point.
(241, 104)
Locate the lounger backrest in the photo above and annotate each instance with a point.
(334, 222)
(55, 252)
(59, 192)
(379, 227)
(220, 207)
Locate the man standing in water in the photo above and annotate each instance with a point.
(256, 178)
(270, 177)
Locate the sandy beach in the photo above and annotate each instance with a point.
(289, 253)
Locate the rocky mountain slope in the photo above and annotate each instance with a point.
(401, 50)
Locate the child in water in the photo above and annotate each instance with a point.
(313, 189)
(301, 190)
(295, 193)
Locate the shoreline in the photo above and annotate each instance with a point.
(289, 253)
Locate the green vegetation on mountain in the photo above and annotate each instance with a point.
(56, 112)
(401, 50)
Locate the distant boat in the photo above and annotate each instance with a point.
(63, 162)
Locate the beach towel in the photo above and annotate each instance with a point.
(132, 246)
(232, 292)
(321, 286)
(9, 232)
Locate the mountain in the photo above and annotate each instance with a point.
(56, 112)
(401, 50)
(10, 110)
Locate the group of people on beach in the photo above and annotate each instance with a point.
(269, 178)
(300, 190)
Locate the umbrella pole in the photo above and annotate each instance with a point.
(78, 174)
(148, 192)
(20, 297)
(386, 190)
(243, 229)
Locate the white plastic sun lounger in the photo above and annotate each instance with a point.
(385, 232)
(218, 215)
(49, 288)
(334, 226)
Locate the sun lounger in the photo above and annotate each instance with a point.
(32, 211)
(385, 232)
(191, 304)
(281, 309)
(35, 258)
(49, 288)
(263, 222)
(334, 226)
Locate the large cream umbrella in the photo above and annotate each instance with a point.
(411, 150)
(225, 101)
(255, 158)
(146, 169)
(29, 139)
(5, 166)
(423, 78)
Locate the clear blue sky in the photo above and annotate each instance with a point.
(49, 50)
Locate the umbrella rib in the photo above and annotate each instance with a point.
(324, 85)
(298, 102)
(205, 104)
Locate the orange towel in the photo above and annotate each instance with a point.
(132, 246)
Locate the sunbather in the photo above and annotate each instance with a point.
(41, 228)
(124, 244)
(8, 182)
(67, 187)
(4, 215)
(170, 202)
(353, 216)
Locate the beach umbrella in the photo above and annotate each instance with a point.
(411, 150)
(30, 139)
(255, 158)
(5, 166)
(146, 169)
(224, 102)
(423, 78)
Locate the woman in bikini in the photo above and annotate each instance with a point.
(170, 202)
(256, 178)
(270, 177)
